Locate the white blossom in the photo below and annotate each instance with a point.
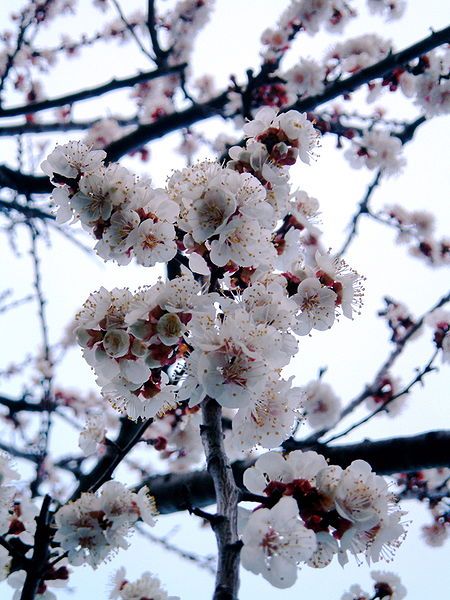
(72, 159)
(322, 406)
(275, 542)
(146, 587)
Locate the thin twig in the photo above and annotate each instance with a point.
(363, 208)
(131, 29)
(202, 562)
(94, 92)
(428, 368)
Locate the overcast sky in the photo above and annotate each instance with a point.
(352, 351)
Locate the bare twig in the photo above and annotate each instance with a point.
(27, 210)
(428, 368)
(160, 54)
(203, 562)
(131, 29)
(363, 209)
(129, 435)
(405, 136)
(369, 390)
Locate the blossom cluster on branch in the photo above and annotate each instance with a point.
(315, 511)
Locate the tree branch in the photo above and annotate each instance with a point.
(131, 29)
(27, 128)
(200, 112)
(431, 449)
(369, 390)
(130, 433)
(428, 368)
(95, 92)
(160, 54)
(40, 552)
(363, 207)
(227, 497)
(376, 71)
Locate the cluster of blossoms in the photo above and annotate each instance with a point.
(416, 228)
(103, 132)
(425, 80)
(376, 149)
(387, 395)
(432, 86)
(439, 320)
(313, 512)
(127, 216)
(357, 53)
(175, 436)
(96, 525)
(438, 532)
(182, 24)
(310, 16)
(92, 437)
(147, 587)
(399, 319)
(387, 586)
(129, 339)
(7, 491)
(227, 222)
(17, 527)
(155, 99)
(306, 78)
(433, 487)
(236, 360)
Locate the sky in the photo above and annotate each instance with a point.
(351, 351)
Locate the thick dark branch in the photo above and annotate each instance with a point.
(224, 523)
(95, 92)
(376, 71)
(200, 112)
(165, 125)
(24, 184)
(27, 210)
(31, 456)
(22, 404)
(175, 492)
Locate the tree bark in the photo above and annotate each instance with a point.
(224, 523)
